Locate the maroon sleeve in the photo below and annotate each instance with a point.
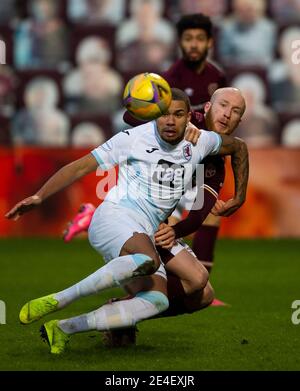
(196, 217)
(214, 175)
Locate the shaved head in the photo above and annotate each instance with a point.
(225, 109)
(229, 91)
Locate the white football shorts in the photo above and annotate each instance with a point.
(112, 225)
(181, 245)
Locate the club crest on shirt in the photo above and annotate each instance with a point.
(210, 171)
(187, 152)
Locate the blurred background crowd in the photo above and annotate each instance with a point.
(67, 62)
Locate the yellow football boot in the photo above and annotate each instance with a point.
(37, 308)
(54, 336)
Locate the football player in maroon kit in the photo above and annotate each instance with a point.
(193, 73)
(222, 114)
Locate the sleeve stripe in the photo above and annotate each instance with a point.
(99, 160)
(212, 191)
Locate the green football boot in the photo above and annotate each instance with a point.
(37, 308)
(54, 336)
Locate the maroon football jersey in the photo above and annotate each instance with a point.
(198, 86)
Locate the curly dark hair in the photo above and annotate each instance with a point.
(194, 21)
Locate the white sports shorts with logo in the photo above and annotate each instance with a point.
(112, 225)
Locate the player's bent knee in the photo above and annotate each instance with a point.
(203, 277)
(158, 299)
(199, 280)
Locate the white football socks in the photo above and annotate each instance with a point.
(110, 275)
(120, 314)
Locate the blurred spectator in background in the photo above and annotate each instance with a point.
(284, 74)
(290, 136)
(216, 9)
(8, 12)
(260, 125)
(7, 90)
(40, 122)
(285, 11)
(94, 87)
(42, 40)
(96, 11)
(247, 37)
(145, 40)
(53, 128)
(87, 135)
(118, 122)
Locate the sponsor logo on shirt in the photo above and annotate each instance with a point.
(169, 174)
(152, 150)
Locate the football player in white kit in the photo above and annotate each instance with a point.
(156, 166)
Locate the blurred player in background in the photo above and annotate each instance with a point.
(193, 73)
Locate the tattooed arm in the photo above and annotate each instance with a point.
(238, 150)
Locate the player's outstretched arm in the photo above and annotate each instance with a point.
(238, 150)
(61, 179)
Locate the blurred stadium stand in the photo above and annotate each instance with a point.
(86, 18)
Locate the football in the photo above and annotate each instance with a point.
(147, 96)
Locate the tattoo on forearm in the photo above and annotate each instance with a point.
(240, 167)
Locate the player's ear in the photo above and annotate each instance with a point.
(189, 116)
(210, 43)
(207, 106)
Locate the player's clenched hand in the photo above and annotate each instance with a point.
(23, 207)
(227, 208)
(218, 208)
(192, 133)
(164, 236)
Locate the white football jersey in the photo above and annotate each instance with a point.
(153, 174)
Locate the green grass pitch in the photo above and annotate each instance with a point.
(259, 278)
